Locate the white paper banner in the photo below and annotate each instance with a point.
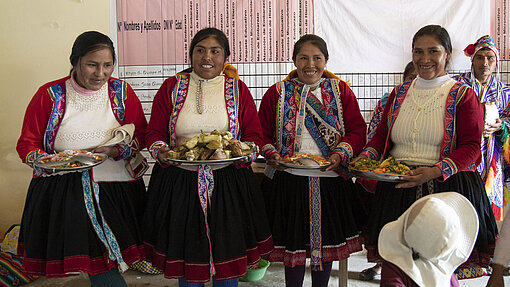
(376, 36)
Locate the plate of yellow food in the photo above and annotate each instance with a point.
(212, 148)
(388, 170)
(305, 161)
(70, 160)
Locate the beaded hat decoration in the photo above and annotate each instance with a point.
(484, 42)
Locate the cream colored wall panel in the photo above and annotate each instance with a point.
(36, 37)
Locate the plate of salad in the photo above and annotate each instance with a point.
(389, 170)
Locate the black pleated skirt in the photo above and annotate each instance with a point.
(177, 239)
(287, 204)
(389, 203)
(57, 238)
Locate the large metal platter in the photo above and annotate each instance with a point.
(290, 165)
(209, 162)
(376, 176)
(87, 161)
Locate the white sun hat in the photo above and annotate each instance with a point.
(432, 238)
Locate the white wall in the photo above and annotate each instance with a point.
(36, 37)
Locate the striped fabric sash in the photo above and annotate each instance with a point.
(315, 223)
(205, 189)
(104, 232)
(322, 125)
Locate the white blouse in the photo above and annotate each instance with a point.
(88, 121)
(214, 109)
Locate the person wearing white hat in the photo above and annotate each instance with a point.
(428, 241)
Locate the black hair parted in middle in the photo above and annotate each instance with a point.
(206, 33)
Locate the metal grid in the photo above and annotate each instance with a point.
(368, 87)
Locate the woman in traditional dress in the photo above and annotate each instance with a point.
(86, 221)
(312, 212)
(434, 125)
(204, 220)
(368, 185)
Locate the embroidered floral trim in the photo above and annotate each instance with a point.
(57, 94)
(178, 97)
(268, 150)
(33, 155)
(345, 149)
(447, 167)
(371, 153)
(124, 151)
(156, 147)
(117, 94)
(232, 104)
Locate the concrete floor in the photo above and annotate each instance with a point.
(274, 277)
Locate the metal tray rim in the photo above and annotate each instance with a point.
(39, 164)
(209, 162)
(376, 176)
(288, 165)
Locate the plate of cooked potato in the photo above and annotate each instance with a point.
(213, 148)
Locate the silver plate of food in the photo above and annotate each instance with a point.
(304, 161)
(211, 149)
(208, 161)
(70, 160)
(389, 177)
